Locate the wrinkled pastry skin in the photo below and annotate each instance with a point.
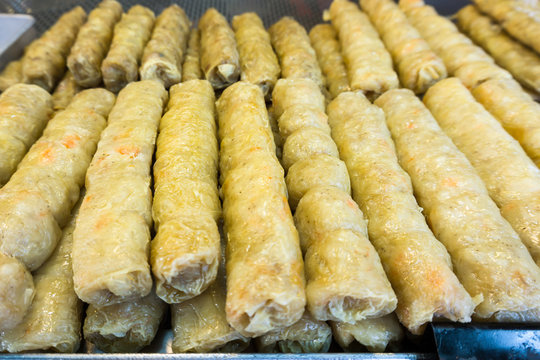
(191, 68)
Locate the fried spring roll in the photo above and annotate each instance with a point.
(511, 178)
(324, 40)
(307, 335)
(418, 66)
(36, 202)
(219, 57)
(372, 334)
(260, 230)
(303, 92)
(93, 42)
(44, 62)
(518, 18)
(462, 58)
(297, 58)
(523, 63)
(11, 75)
(185, 251)
(488, 257)
(416, 263)
(131, 33)
(191, 68)
(369, 65)
(517, 112)
(16, 293)
(115, 216)
(306, 142)
(257, 58)
(163, 55)
(299, 116)
(65, 91)
(124, 327)
(53, 321)
(24, 112)
(345, 279)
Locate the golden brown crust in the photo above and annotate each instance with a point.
(219, 57)
(11, 75)
(191, 68)
(65, 91)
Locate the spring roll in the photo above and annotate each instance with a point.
(93, 42)
(517, 112)
(307, 335)
(191, 68)
(163, 55)
(131, 34)
(124, 327)
(11, 75)
(297, 58)
(461, 57)
(511, 178)
(299, 116)
(488, 257)
(523, 63)
(416, 263)
(185, 251)
(345, 279)
(372, 334)
(257, 58)
(369, 65)
(16, 293)
(115, 216)
(324, 40)
(24, 112)
(219, 57)
(306, 142)
(53, 321)
(36, 202)
(418, 66)
(261, 237)
(518, 18)
(45, 59)
(64, 92)
(302, 92)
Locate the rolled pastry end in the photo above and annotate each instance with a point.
(16, 292)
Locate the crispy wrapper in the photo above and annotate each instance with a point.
(418, 66)
(11, 75)
(93, 42)
(511, 178)
(523, 63)
(44, 61)
(124, 327)
(297, 58)
(164, 53)
(518, 18)
(291, 92)
(191, 68)
(345, 279)
(53, 321)
(416, 263)
(65, 91)
(488, 257)
(24, 112)
(219, 57)
(36, 202)
(261, 237)
(517, 112)
(369, 65)
(112, 236)
(131, 33)
(16, 293)
(306, 142)
(185, 251)
(299, 116)
(257, 58)
(324, 40)
(462, 58)
(372, 334)
(307, 335)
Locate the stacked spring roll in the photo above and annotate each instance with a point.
(11, 75)
(191, 68)
(185, 251)
(416, 263)
(64, 92)
(488, 256)
(37, 201)
(261, 237)
(219, 58)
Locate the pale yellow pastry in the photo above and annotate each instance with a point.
(191, 68)
(11, 75)
(65, 91)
